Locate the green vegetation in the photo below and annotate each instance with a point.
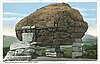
(5, 50)
(8, 40)
(90, 51)
(67, 52)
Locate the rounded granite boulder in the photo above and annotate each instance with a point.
(64, 24)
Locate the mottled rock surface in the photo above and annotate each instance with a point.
(69, 22)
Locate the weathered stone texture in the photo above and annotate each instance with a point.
(67, 22)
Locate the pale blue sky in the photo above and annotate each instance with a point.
(13, 12)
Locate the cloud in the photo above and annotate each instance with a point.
(85, 9)
(92, 30)
(9, 31)
(9, 25)
(92, 22)
(11, 18)
(84, 14)
(10, 22)
(91, 19)
(14, 14)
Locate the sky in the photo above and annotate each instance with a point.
(14, 12)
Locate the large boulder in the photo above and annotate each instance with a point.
(69, 22)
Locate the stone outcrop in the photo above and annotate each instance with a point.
(64, 24)
(18, 52)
